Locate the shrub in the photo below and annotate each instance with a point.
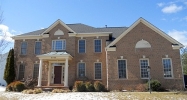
(60, 91)
(155, 85)
(30, 82)
(99, 86)
(80, 86)
(15, 86)
(89, 87)
(141, 87)
(32, 91)
(19, 86)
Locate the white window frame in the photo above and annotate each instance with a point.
(140, 67)
(171, 68)
(23, 71)
(25, 48)
(118, 69)
(63, 47)
(94, 70)
(35, 48)
(85, 46)
(33, 70)
(78, 69)
(94, 45)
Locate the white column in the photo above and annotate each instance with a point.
(40, 73)
(66, 73)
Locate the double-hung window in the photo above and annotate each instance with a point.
(59, 45)
(21, 72)
(97, 70)
(24, 48)
(38, 47)
(167, 67)
(97, 44)
(36, 71)
(144, 63)
(81, 69)
(82, 46)
(122, 68)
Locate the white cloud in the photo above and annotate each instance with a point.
(185, 3)
(5, 33)
(160, 4)
(180, 36)
(173, 8)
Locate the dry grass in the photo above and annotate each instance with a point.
(96, 96)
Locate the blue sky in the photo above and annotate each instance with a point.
(22, 16)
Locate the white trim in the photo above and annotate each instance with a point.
(101, 70)
(126, 70)
(91, 34)
(85, 46)
(78, 69)
(111, 49)
(140, 66)
(171, 69)
(94, 45)
(30, 37)
(141, 20)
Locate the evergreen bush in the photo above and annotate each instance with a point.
(80, 86)
(155, 85)
(99, 86)
(89, 87)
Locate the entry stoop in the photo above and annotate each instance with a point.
(53, 86)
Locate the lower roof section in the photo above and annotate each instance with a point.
(55, 56)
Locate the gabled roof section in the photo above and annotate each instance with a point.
(141, 20)
(56, 23)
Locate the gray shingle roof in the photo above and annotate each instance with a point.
(82, 28)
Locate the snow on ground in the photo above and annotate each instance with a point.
(2, 88)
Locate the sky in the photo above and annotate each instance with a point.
(21, 16)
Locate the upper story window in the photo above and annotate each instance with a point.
(82, 46)
(59, 45)
(144, 63)
(168, 73)
(38, 47)
(97, 44)
(24, 48)
(122, 68)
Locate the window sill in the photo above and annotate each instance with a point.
(168, 77)
(122, 78)
(97, 79)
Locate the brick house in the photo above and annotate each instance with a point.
(117, 56)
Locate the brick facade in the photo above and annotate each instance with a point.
(160, 47)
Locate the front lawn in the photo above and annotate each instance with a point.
(95, 96)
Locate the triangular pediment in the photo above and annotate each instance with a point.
(141, 20)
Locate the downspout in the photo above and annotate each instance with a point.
(106, 68)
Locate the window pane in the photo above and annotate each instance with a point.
(23, 48)
(38, 48)
(36, 71)
(167, 67)
(97, 45)
(97, 70)
(81, 69)
(81, 46)
(21, 72)
(122, 68)
(144, 65)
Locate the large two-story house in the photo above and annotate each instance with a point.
(117, 56)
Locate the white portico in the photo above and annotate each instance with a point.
(56, 64)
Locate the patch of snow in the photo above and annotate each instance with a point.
(2, 88)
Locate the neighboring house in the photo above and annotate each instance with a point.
(3, 59)
(117, 56)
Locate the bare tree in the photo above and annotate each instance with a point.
(184, 59)
(3, 42)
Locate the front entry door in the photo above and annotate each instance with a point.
(58, 74)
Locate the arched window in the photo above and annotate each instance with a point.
(143, 44)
